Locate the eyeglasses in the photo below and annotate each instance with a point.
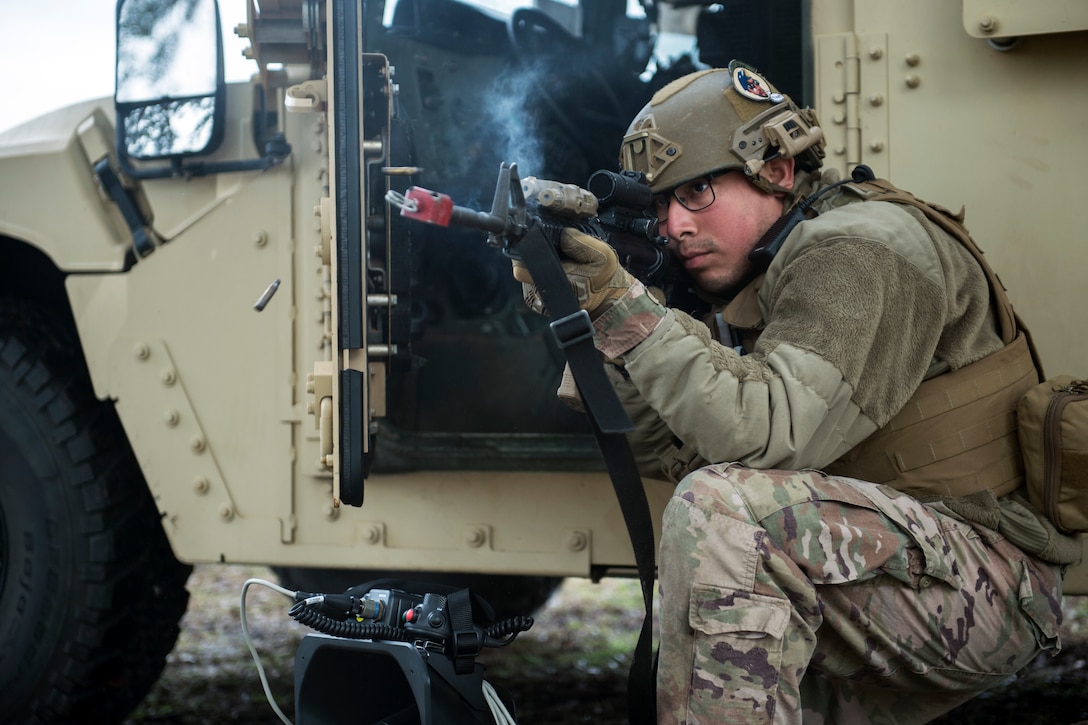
(695, 195)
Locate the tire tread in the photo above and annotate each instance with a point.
(131, 590)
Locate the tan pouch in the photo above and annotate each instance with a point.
(1052, 420)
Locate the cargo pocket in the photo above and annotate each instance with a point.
(1036, 606)
(737, 653)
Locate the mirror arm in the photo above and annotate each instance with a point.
(276, 152)
(143, 239)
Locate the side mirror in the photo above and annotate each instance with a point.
(170, 93)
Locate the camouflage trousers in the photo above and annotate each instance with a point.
(791, 596)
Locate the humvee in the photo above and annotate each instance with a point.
(220, 343)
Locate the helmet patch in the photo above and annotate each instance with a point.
(750, 84)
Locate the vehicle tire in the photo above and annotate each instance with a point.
(90, 592)
(509, 595)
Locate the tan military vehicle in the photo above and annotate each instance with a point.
(219, 342)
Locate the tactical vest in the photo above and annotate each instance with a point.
(956, 435)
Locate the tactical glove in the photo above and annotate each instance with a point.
(593, 269)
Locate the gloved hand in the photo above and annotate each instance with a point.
(593, 269)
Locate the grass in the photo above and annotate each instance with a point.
(1075, 626)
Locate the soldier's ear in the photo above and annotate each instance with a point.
(779, 171)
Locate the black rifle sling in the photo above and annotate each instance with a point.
(574, 333)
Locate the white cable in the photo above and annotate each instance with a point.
(498, 709)
(253, 650)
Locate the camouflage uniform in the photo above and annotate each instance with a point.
(790, 596)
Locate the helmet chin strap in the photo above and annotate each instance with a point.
(767, 247)
(768, 186)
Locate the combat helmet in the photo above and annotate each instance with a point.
(715, 120)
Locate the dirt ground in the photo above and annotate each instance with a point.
(571, 667)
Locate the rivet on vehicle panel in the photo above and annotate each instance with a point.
(876, 53)
(141, 351)
(839, 97)
(260, 238)
(840, 150)
(839, 118)
(168, 376)
(201, 485)
(226, 512)
(197, 444)
(913, 81)
(577, 541)
(475, 537)
(877, 100)
(373, 535)
(172, 417)
(987, 24)
(876, 146)
(913, 59)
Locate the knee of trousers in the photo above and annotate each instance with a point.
(714, 490)
(708, 531)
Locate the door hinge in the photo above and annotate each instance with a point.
(852, 99)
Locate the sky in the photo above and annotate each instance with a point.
(57, 52)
